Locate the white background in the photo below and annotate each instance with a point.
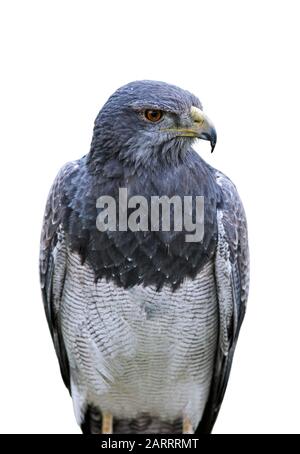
(60, 60)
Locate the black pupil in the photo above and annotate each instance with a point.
(154, 114)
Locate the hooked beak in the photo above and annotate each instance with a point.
(201, 128)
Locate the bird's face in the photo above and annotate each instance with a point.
(146, 120)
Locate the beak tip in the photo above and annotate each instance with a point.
(211, 136)
(213, 144)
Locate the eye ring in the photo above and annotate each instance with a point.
(153, 115)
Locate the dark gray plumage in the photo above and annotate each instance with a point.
(153, 274)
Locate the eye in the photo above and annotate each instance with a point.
(153, 115)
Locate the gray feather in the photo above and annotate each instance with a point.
(144, 326)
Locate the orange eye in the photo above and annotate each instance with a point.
(153, 115)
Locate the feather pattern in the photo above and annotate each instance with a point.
(131, 351)
(232, 281)
(144, 324)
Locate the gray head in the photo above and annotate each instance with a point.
(145, 121)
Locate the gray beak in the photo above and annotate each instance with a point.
(204, 127)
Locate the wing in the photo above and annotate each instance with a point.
(53, 263)
(232, 281)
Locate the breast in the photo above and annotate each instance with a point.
(139, 350)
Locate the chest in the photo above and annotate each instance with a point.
(139, 321)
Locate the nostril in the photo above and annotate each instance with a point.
(198, 120)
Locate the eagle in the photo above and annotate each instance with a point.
(143, 321)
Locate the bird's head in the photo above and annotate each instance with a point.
(146, 121)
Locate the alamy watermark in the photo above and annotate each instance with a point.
(156, 215)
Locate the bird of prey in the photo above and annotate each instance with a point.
(144, 322)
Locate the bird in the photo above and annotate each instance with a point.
(145, 323)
